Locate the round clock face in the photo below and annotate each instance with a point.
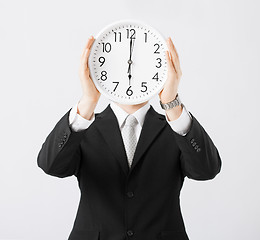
(128, 62)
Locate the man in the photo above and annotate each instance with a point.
(130, 176)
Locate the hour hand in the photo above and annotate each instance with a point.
(129, 65)
(129, 76)
(129, 70)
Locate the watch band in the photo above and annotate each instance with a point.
(175, 102)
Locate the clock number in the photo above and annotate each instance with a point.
(101, 60)
(129, 91)
(103, 75)
(160, 62)
(158, 46)
(132, 31)
(116, 86)
(156, 77)
(119, 33)
(145, 37)
(106, 47)
(144, 87)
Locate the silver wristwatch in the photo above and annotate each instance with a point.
(175, 102)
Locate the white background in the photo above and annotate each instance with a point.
(40, 47)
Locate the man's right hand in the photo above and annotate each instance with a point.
(91, 95)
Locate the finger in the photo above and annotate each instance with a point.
(173, 47)
(90, 41)
(171, 42)
(169, 62)
(87, 45)
(172, 51)
(174, 55)
(178, 62)
(178, 70)
(87, 51)
(171, 57)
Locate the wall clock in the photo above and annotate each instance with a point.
(128, 62)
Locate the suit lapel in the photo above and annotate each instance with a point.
(108, 127)
(153, 125)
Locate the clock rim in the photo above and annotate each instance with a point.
(91, 70)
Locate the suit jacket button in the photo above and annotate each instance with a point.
(130, 194)
(196, 146)
(192, 140)
(130, 233)
(198, 149)
(193, 144)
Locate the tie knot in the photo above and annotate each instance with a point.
(130, 120)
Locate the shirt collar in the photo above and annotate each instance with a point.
(122, 114)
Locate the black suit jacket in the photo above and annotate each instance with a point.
(116, 202)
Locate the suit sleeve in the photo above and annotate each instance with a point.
(200, 159)
(60, 154)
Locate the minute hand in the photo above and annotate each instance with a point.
(131, 51)
(129, 61)
(131, 48)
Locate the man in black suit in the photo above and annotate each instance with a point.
(139, 202)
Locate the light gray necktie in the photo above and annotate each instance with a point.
(129, 138)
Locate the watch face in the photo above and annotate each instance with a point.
(128, 62)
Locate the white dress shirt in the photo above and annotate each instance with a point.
(181, 125)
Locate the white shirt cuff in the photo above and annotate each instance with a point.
(183, 123)
(77, 122)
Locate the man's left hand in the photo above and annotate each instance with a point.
(169, 92)
(170, 89)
